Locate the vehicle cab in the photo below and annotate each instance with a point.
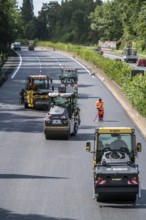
(69, 73)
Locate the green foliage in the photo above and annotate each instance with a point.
(106, 22)
(86, 22)
(135, 90)
(75, 21)
(28, 20)
(121, 20)
(27, 11)
(67, 22)
(8, 23)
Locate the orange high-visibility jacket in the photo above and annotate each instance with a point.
(100, 107)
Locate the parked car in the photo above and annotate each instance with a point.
(141, 62)
(16, 46)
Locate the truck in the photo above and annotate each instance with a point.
(35, 93)
(115, 171)
(69, 73)
(130, 54)
(63, 118)
(31, 45)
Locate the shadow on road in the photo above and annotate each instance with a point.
(84, 96)
(6, 214)
(20, 176)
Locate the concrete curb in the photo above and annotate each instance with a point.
(7, 68)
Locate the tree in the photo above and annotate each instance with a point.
(27, 18)
(83, 21)
(106, 22)
(120, 20)
(9, 23)
(27, 11)
(66, 22)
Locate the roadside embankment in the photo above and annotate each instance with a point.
(8, 67)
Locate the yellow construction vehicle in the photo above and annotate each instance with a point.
(35, 94)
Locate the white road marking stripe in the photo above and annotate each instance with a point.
(20, 62)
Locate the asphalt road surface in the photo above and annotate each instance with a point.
(52, 179)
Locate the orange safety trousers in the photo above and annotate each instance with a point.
(100, 107)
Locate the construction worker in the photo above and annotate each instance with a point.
(118, 143)
(100, 107)
(22, 96)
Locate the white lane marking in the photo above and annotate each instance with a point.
(20, 62)
(101, 78)
(39, 64)
(18, 67)
(38, 60)
(14, 74)
(55, 59)
(78, 63)
(82, 66)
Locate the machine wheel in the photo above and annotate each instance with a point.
(34, 105)
(46, 136)
(46, 108)
(25, 105)
(100, 198)
(131, 197)
(66, 136)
